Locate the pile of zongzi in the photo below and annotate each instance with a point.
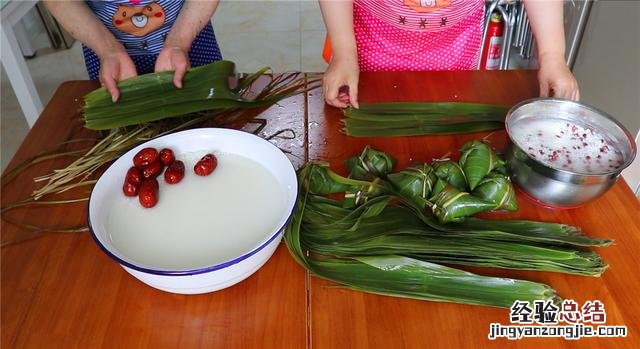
(451, 190)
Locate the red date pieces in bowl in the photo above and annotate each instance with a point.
(152, 170)
(205, 165)
(148, 193)
(174, 173)
(145, 157)
(130, 189)
(132, 181)
(134, 176)
(149, 163)
(166, 156)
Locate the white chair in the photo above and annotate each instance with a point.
(13, 60)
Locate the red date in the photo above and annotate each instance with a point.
(174, 173)
(130, 189)
(148, 193)
(167, 157)
(152, 170)
(206, 165)
(134, 176)
(145, 157)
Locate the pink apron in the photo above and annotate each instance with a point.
(394, 35)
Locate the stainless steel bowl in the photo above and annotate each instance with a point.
(560, 187)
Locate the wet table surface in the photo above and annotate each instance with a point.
(61, 290)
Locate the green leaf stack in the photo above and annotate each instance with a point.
(412, 119)
(152, 97)
(390, 245)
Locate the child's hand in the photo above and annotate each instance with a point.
(173, 59)
(556, 80)
(340, 83)
(116, 66)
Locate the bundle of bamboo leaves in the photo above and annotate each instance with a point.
(412, 119)
(385, 241)
(152, 97)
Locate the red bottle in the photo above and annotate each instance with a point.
(493, 44)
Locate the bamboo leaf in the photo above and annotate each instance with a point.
(411, 119)
(153, 97)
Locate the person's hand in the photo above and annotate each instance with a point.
(116, 66)
(175, 59)
(555, 78)
(340, 82)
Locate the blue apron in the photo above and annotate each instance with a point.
(142, 26)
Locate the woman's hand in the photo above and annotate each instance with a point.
(116, 66)
(340, 82)
(115, 63)
(193, 16)
(555, 78)
(175, 59)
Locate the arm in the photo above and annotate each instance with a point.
(193, 16)
(547, 25)
(343, 69)
(115, 63)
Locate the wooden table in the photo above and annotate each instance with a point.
(60, 290)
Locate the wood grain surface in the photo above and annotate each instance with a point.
(62, 291)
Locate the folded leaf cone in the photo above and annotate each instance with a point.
(452, 205)
(415, 183)
(477, 160)
(497, 189)
(371, 163)
(451, 173)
